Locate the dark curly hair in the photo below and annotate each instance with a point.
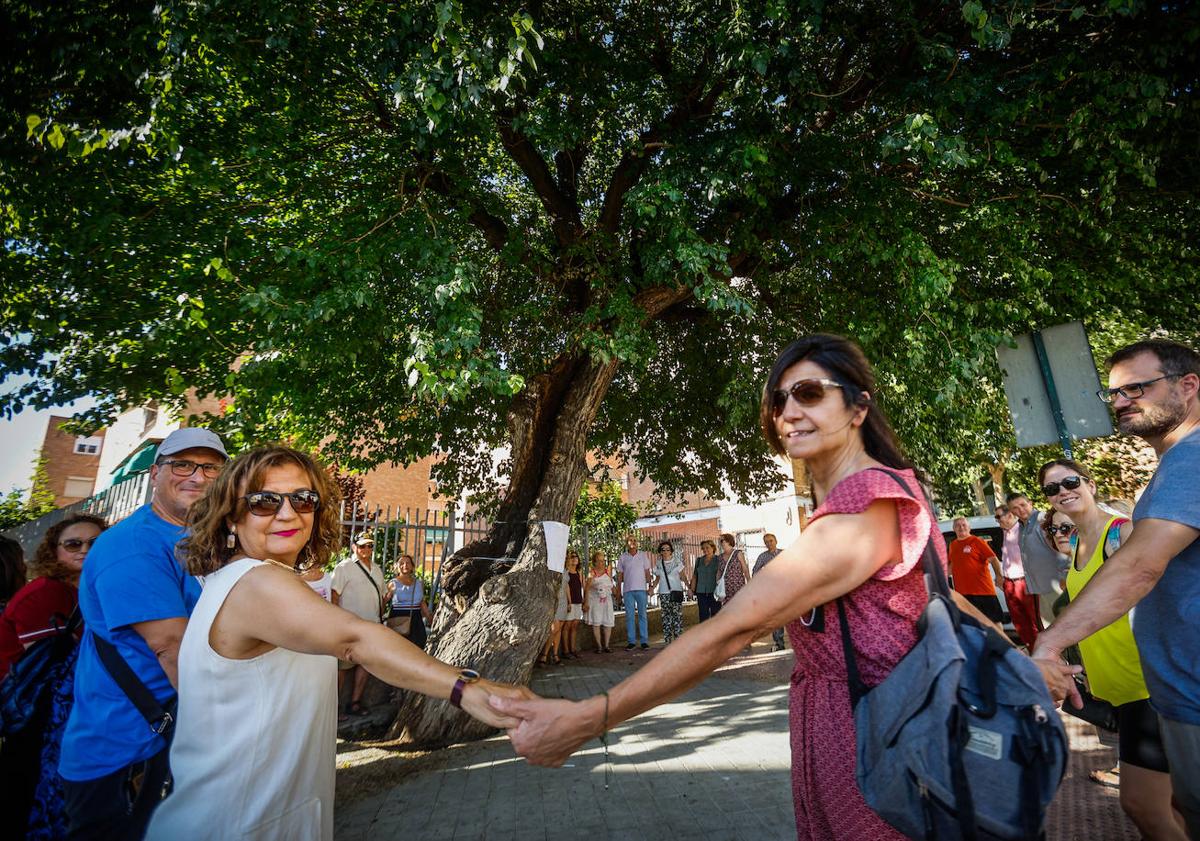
(205, 550)
(45, 562)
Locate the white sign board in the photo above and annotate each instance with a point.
(1075, 379)
(556, 544)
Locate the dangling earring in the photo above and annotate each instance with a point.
(231, 540)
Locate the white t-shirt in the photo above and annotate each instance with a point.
(323, 586)
(357, 595)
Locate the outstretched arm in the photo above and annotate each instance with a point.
(832, 556)
(1126, 577)
(272, 606)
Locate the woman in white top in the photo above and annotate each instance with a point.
(253, 753)
(408, 612)
(321, 582)
(666, 573)
(598, 602)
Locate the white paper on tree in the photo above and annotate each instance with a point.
(556, 544)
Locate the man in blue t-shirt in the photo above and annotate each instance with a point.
(1155, 393)
(134, 594)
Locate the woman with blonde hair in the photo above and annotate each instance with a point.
(598, 602)
(253, 753)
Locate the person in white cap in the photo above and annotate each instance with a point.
(135, 598)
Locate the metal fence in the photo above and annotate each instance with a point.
(113, 504)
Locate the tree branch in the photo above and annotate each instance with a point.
(564, 213)
(493, 228)
(633, 163)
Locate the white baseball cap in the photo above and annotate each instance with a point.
(189, 438)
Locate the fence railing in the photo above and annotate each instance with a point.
(113, 504)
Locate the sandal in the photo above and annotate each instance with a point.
(1108, 779)
(557, 660)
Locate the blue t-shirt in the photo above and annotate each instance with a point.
(1166, 623)
(130, 575)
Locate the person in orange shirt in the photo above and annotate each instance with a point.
(970, 557)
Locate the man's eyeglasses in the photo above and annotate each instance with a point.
(805, 392)
(1064, 529)
(183, 468)
(1132, 391)
(74, 544)
(268, 503)
(1068, 483)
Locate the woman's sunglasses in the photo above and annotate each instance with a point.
(804, 392)
(1069, 483)
(1064, 529)
(74, 544)
(268, 503)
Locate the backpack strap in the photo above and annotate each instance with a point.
(936, 585)
(161, 720)
(1112, 537)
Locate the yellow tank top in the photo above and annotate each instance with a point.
(1110, 655)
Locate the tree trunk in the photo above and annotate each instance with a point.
(980, 500)
(997, 473)
(495, 615)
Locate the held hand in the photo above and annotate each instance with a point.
(549, 730)
(1060, 680)
(476, 697)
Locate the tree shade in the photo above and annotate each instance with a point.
(392, 229)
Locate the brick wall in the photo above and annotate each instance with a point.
(691, 532)
(401, 487)
(66, 469)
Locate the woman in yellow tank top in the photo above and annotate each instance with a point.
(1110, 656)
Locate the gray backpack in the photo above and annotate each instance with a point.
(962, 739)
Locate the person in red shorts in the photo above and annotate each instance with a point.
(970, 558)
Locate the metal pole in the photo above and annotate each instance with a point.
(1060, 423)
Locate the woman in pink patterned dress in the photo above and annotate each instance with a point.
(863, 544)
(733, 564)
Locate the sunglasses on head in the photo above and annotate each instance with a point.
(74, 544)
(805, 392)
(1068, 483)
(1064, 529)
(268, 503)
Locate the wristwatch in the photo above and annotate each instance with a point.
(465, 676)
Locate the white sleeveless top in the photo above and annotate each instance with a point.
(254, 749)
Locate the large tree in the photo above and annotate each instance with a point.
(393, 228)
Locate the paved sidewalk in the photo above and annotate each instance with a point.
(714, 764)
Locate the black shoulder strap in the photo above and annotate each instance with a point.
(935, 584)
(160, 720)
(935, 573)
(378, 593)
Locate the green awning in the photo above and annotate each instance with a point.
(137, 463)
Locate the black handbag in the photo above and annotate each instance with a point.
(31, 676)
(675, 596)
(1094, 710)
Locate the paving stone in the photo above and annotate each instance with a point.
(712, 765)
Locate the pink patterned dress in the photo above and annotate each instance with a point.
(882, 613)
(734, 580)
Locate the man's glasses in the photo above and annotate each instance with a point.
(804, 392)
(183, 468)
(74, 544)
(268, 503)
(1132, 391)
(1069, 483)
(1064, 529)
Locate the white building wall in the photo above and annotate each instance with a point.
(125, 435)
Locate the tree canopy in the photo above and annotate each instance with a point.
(378, 226)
